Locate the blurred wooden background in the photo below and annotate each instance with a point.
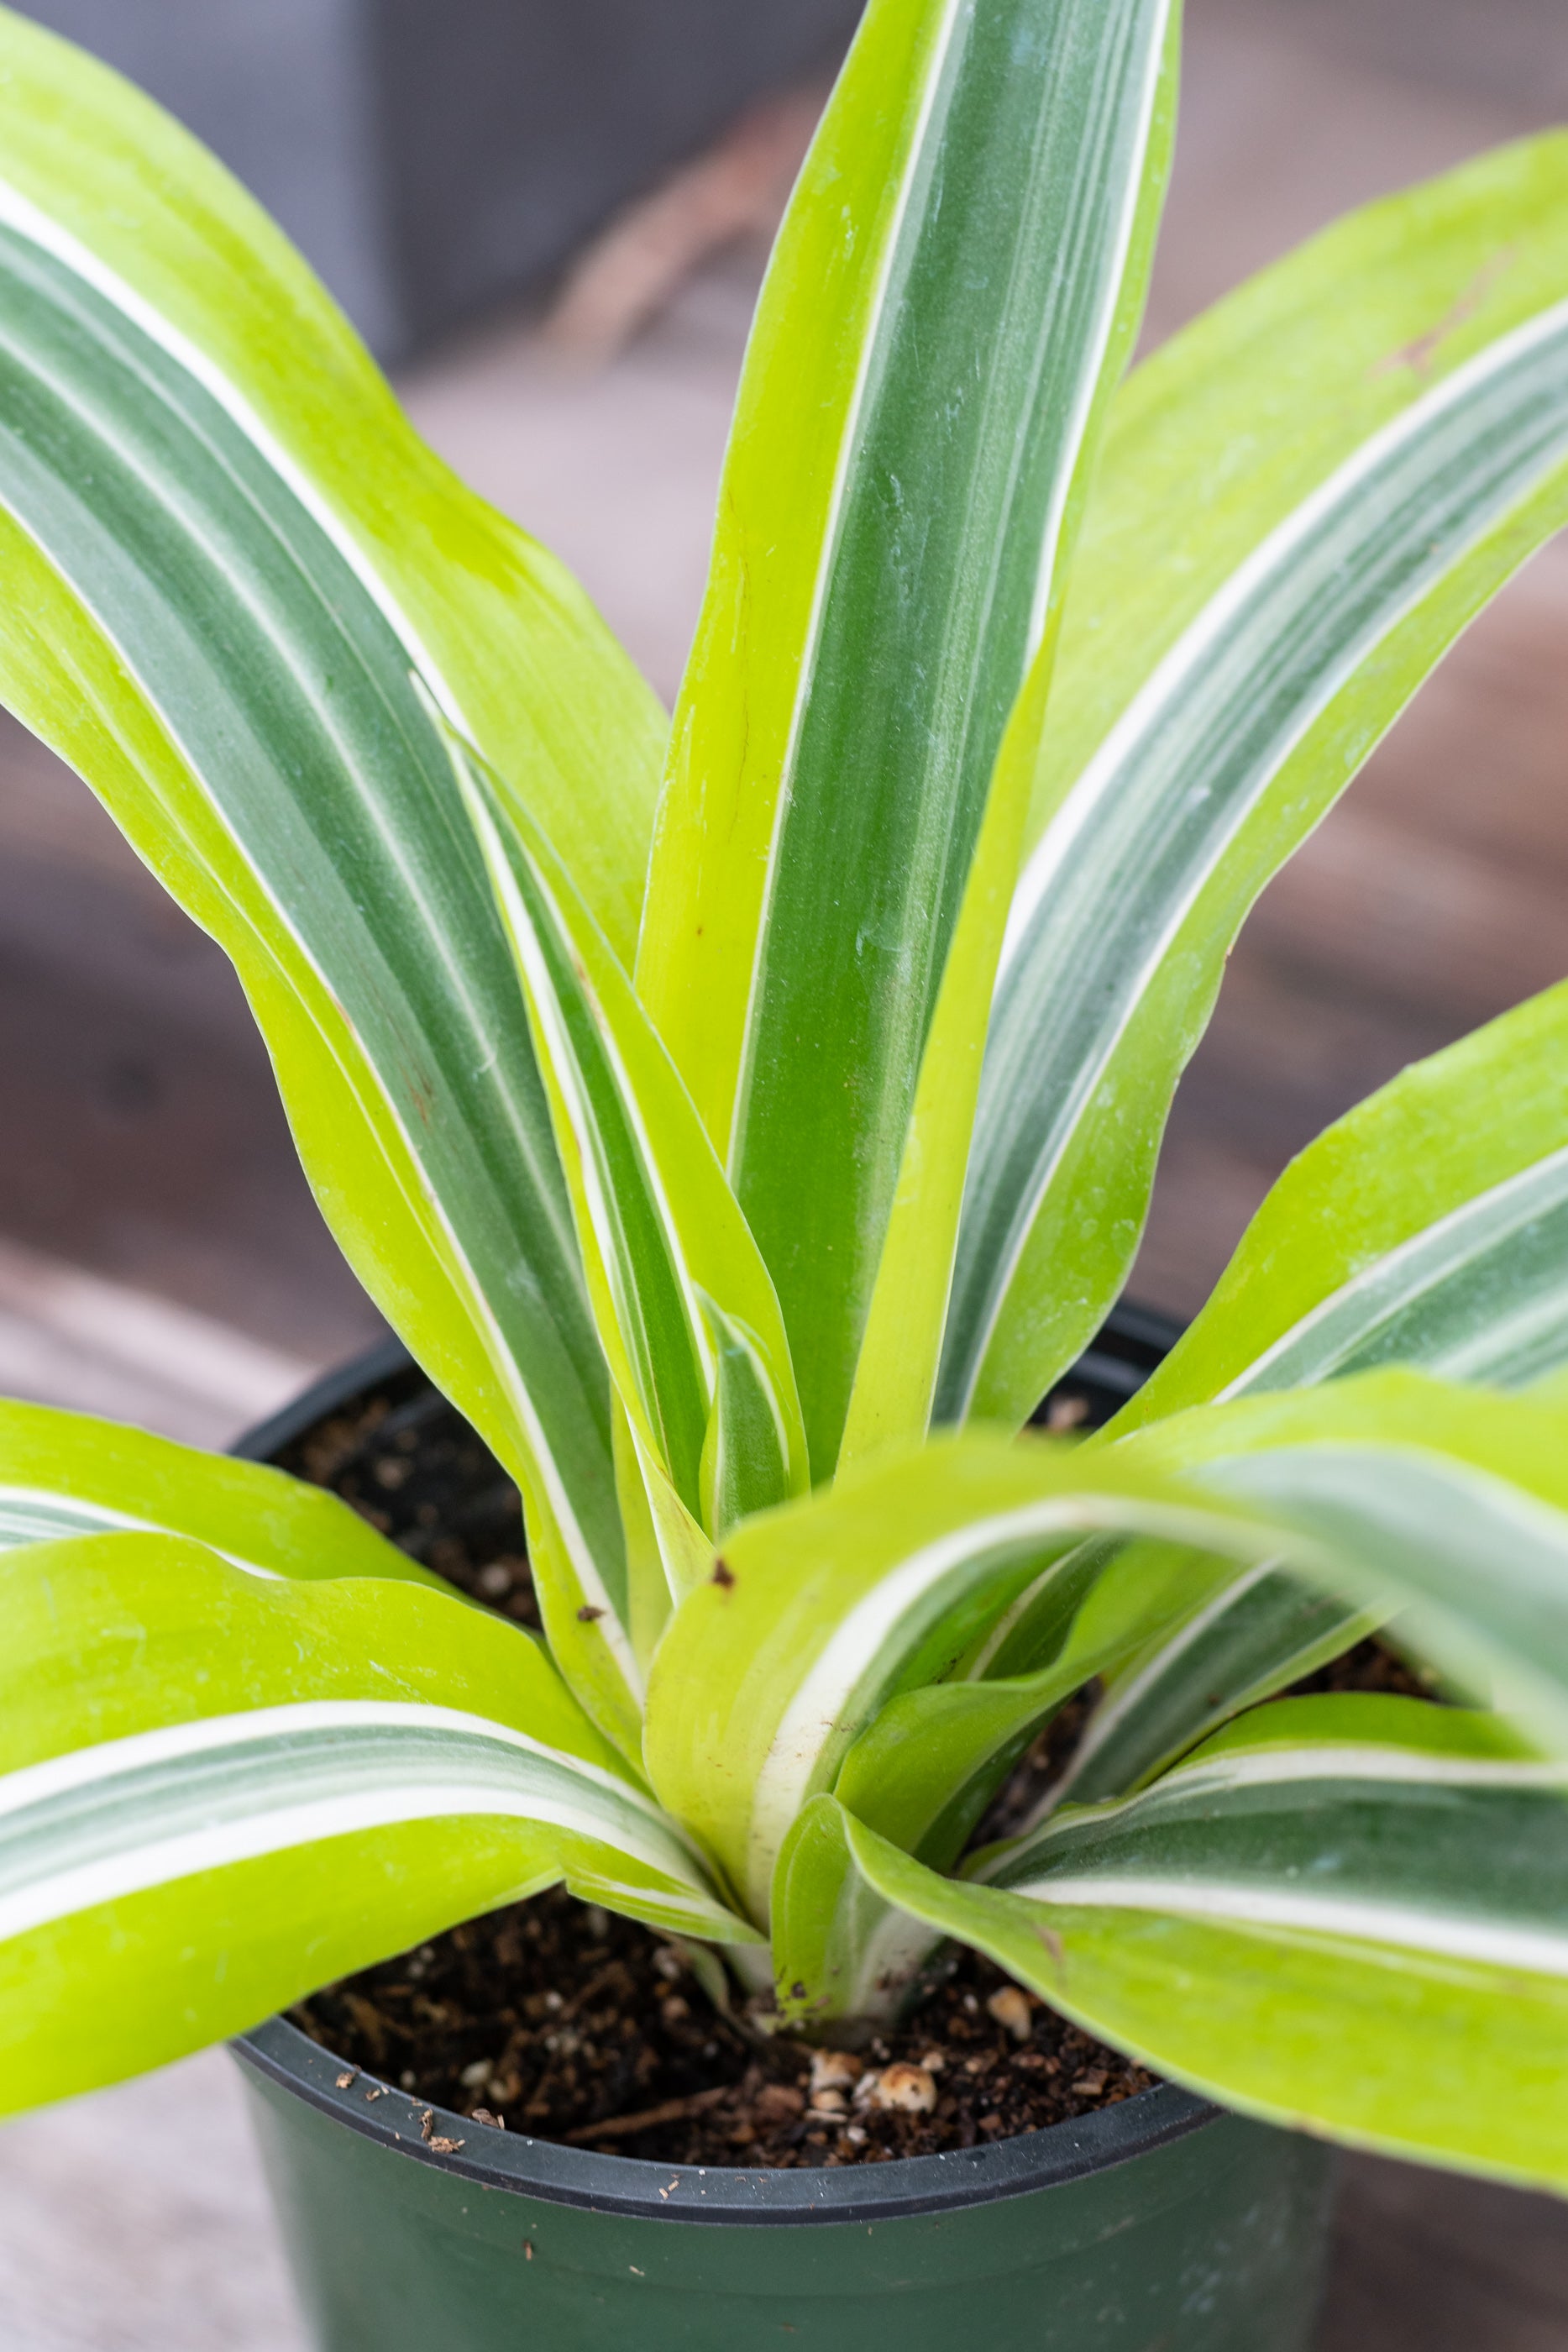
(160, 1256)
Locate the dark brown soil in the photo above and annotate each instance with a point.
(563, 2020)
(1370, 1666)
(411, 1465)
(1038, 1769)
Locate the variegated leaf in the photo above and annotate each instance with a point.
(1429, 1225)
(217, 1790)
(1391, 1490)
(68, 1473)
(822, 1615)
(927, 1766)
(1314, 577)
(1344, 1912)
(1255, 1635)
(960, 274)
(1396, 1490)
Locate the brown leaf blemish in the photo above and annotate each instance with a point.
(1418, 354)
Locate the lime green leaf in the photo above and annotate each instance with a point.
(1426, 1226)
(1429, 1225)
(926, 1768)
(1346, 1912)
(1321, 527)
(817, 1616)
(841, 1948)
(945, 300)
(68, 1474)
(216, 1791)
(921, 1774)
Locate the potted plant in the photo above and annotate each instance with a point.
(746, 1156)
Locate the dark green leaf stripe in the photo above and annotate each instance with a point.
(661, 1234)
(1432, 1529)
(288, 693)
(1175, 781)
(656, 1314)
(1346, 1912)
(929, 616)
(746, 1464)
(94, 170)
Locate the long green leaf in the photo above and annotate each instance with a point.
(945, 300)
(1316, 576)
(685, 1311)
(1345, 1912)
(217, 1790)
(1429, 1225)
(225, 556)
(1399, 1490)
(827, 1611)
(68, 1474)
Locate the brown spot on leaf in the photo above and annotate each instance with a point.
(722, 1575)
(1419, 354)
(589, 1615)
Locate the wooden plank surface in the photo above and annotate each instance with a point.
(145, 1150)
(1426, 2263)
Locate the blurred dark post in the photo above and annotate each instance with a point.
(431, 156)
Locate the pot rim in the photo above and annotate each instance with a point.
(561, 2175)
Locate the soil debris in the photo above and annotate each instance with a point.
(569, 2010)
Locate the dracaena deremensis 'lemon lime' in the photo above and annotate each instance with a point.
(744, 1119)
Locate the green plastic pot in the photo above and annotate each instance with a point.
(1159, 2225)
